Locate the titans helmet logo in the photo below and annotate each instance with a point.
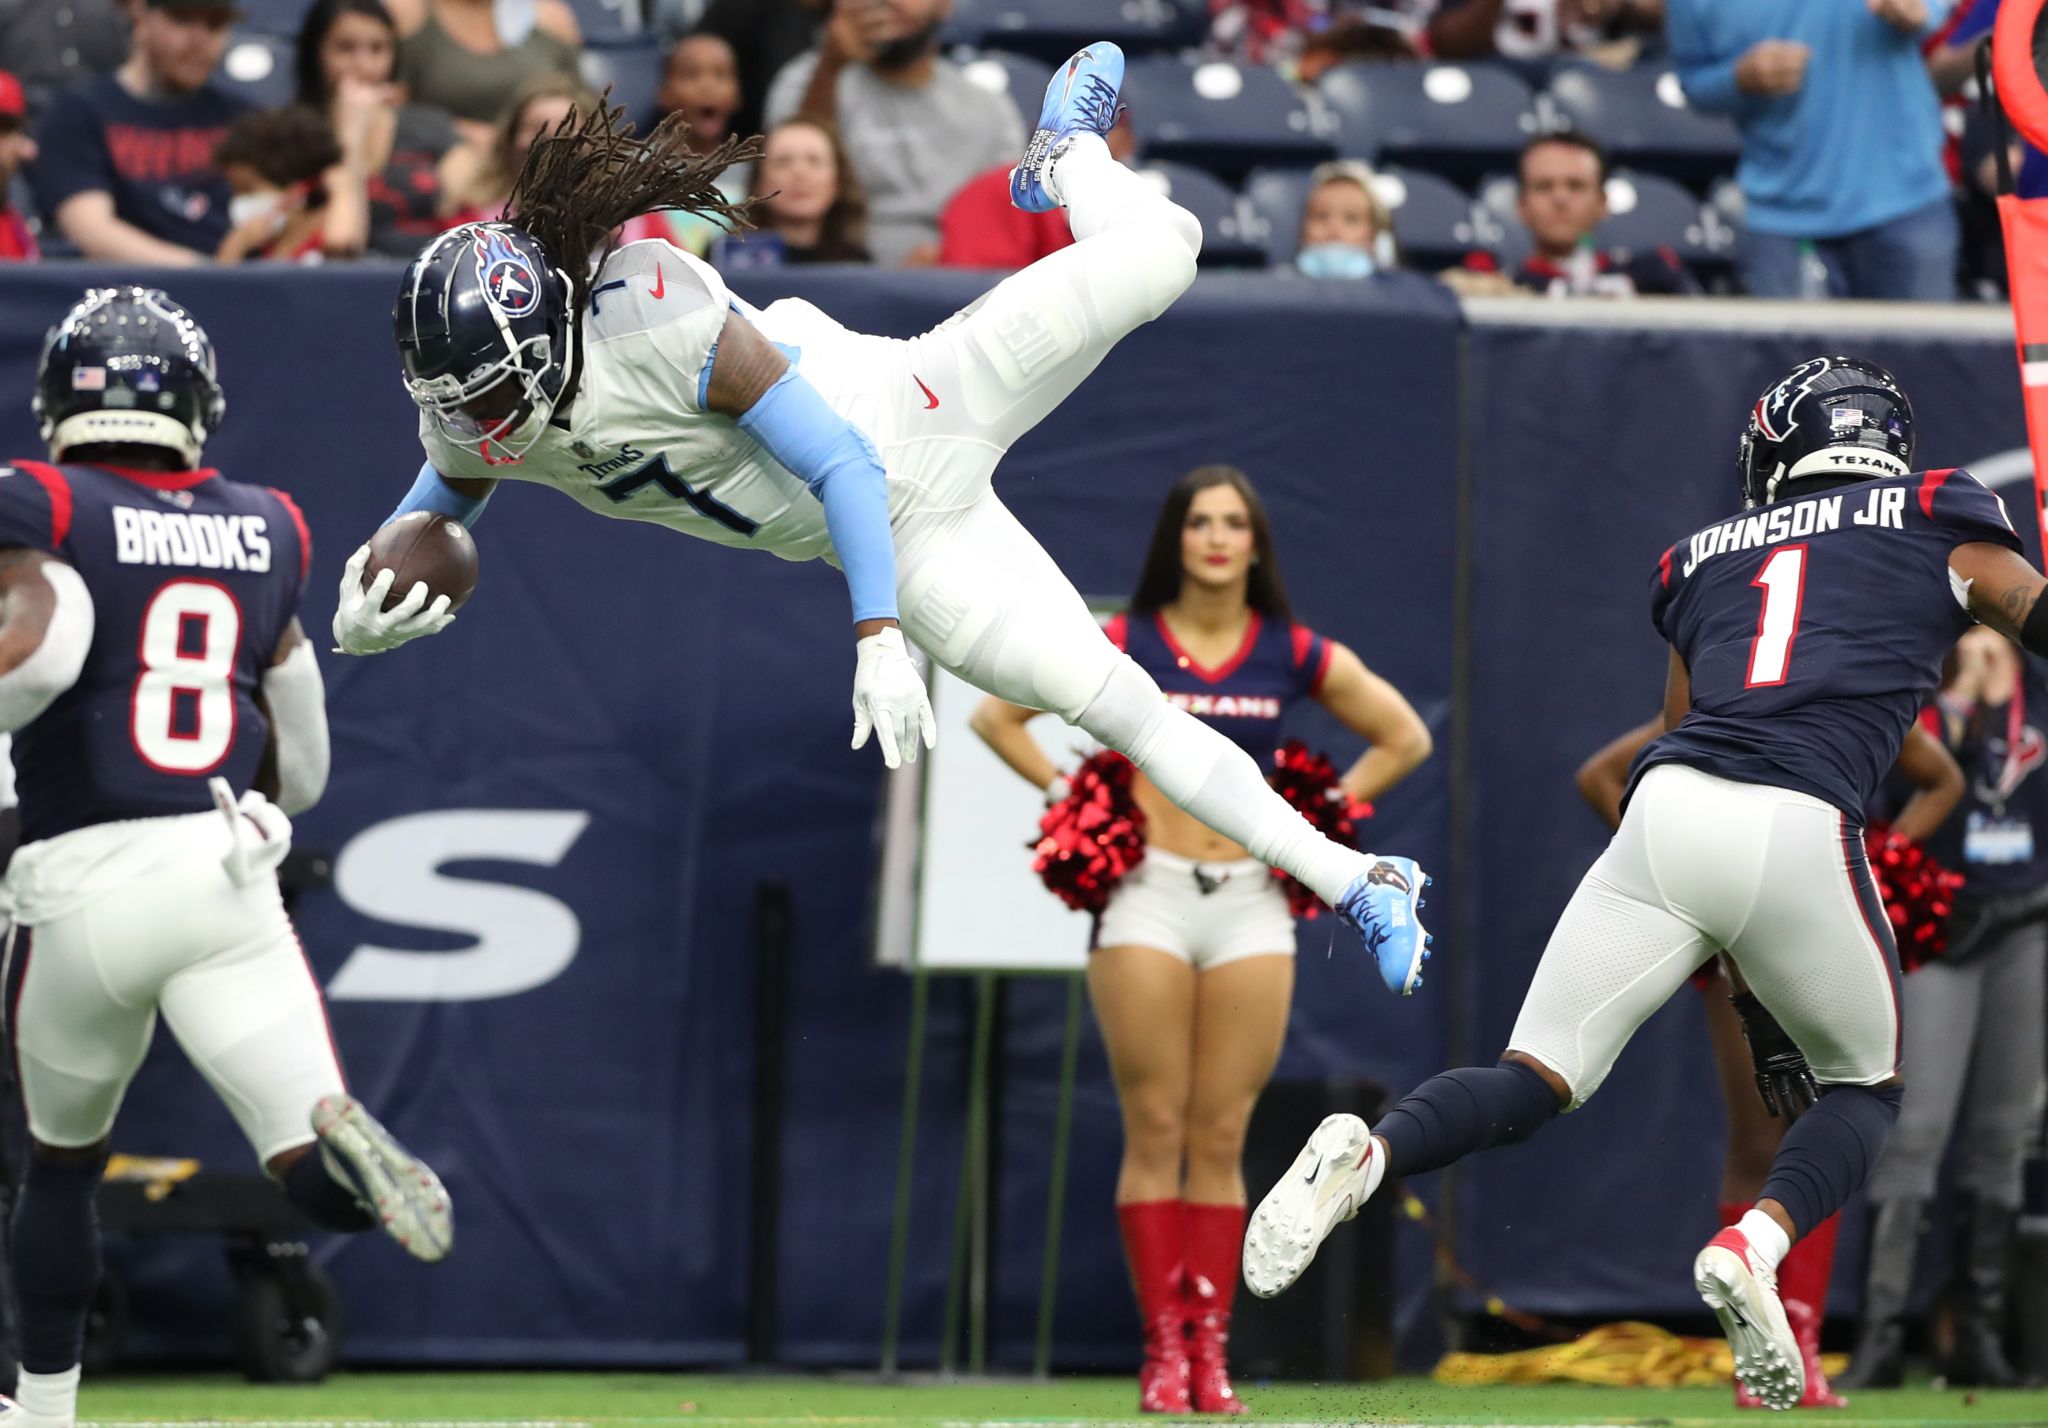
(508, 279)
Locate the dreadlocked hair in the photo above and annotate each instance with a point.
(591, 174)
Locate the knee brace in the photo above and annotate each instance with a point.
(1828, 1152)
(1472, 1108)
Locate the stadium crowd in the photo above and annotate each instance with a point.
(1553, 147)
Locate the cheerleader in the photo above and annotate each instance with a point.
(1192, 971)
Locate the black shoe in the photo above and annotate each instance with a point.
(1879, 1359)
(1978, 1359)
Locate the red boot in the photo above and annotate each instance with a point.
(1803, 1286)
(1215, 1248)
(1155, 1246)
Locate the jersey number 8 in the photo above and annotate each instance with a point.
(182, 712)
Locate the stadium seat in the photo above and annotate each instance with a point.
(1051, 30)
(274, 17)
(257, 68)
(1433, 219)
(631, 66)
(1641, 118)
(607, 20)
(1020, 77)
(1226, 118)
(1461, 121)
(1229, 238)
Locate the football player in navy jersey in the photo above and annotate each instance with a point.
(1806, 635)
(1193, 970)
(167, 718)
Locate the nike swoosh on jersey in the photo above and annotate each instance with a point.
(931, 398)
(660, 283)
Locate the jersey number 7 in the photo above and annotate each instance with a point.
(1783, 581)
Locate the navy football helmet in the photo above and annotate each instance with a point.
(127, 366)
(1829, 416)
(486, 336)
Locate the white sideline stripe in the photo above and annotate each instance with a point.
(707, 1420)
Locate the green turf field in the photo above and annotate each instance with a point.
(552, 1398)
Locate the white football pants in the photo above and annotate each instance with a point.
(1702, 864)
(122, 919)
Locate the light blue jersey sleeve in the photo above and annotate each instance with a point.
(835, 459)
(431, 492)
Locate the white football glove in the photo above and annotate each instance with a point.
(362, 625)
(889, 697)
(261, 835)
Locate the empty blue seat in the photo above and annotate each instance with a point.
(257, 68)
(630, 65)
(274, 17)
(1457, 120)
(1224, 117)
(1433, 219)
(1022, 78)
(605, 20)
(1640, 117)
(1228, 240)
(1051, 30)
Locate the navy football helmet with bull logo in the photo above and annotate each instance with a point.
(1829, 416)
(486, 336)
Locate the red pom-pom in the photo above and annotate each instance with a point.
(1919, 894)
(1309, 782)
(1091, 839)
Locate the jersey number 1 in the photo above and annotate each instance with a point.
(182, 712)
(1783, 581)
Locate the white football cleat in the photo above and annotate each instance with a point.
(13, 1415)
(1336, 1172)
(404, 1194)
(1744, 1297)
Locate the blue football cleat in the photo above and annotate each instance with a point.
(1080, 100)
(1385, 914)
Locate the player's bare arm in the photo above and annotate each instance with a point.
(46, 624)
(1603, 778)
(1370, 706)
(1001, 725)
(2004, 591)
(1937, 784)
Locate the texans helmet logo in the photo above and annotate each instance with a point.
(508, 279)
(1774, 410)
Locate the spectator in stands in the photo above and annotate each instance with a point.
(981, 228)
(453, 53)
(1306, 38)
(1561, 198)
(700, 81)
(1346, 230)
(1841, 168)
(125, 168)
(540, 104)
(53, 44)
(766, 35)
(814, 211)
(17, 243)
(402, 163)
(916, 126)
(276, 162)
(1607, 30)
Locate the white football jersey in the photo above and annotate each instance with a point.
(638, 444)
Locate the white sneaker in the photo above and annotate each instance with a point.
(13, 1415)
(402, 1192)
(1336, 1172)
(1744, 1296)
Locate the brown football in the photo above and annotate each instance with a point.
(424, 546)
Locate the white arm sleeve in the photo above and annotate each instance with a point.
(30, 687)
(298, 722)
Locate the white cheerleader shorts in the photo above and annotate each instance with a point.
(1777, 878)
(1206, 914)
(121, 920)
